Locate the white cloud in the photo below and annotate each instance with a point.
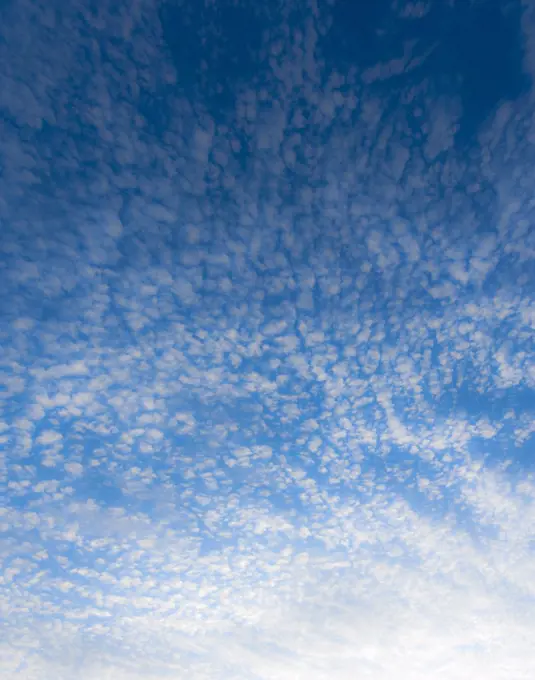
(75, 469)
(49, 437)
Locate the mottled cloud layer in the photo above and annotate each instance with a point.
(267, 404)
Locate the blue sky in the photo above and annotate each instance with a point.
(266, 340)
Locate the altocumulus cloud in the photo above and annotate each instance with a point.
(267, 322)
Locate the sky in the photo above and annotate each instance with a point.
(267, 401)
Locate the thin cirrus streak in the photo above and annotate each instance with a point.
(266, 342)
